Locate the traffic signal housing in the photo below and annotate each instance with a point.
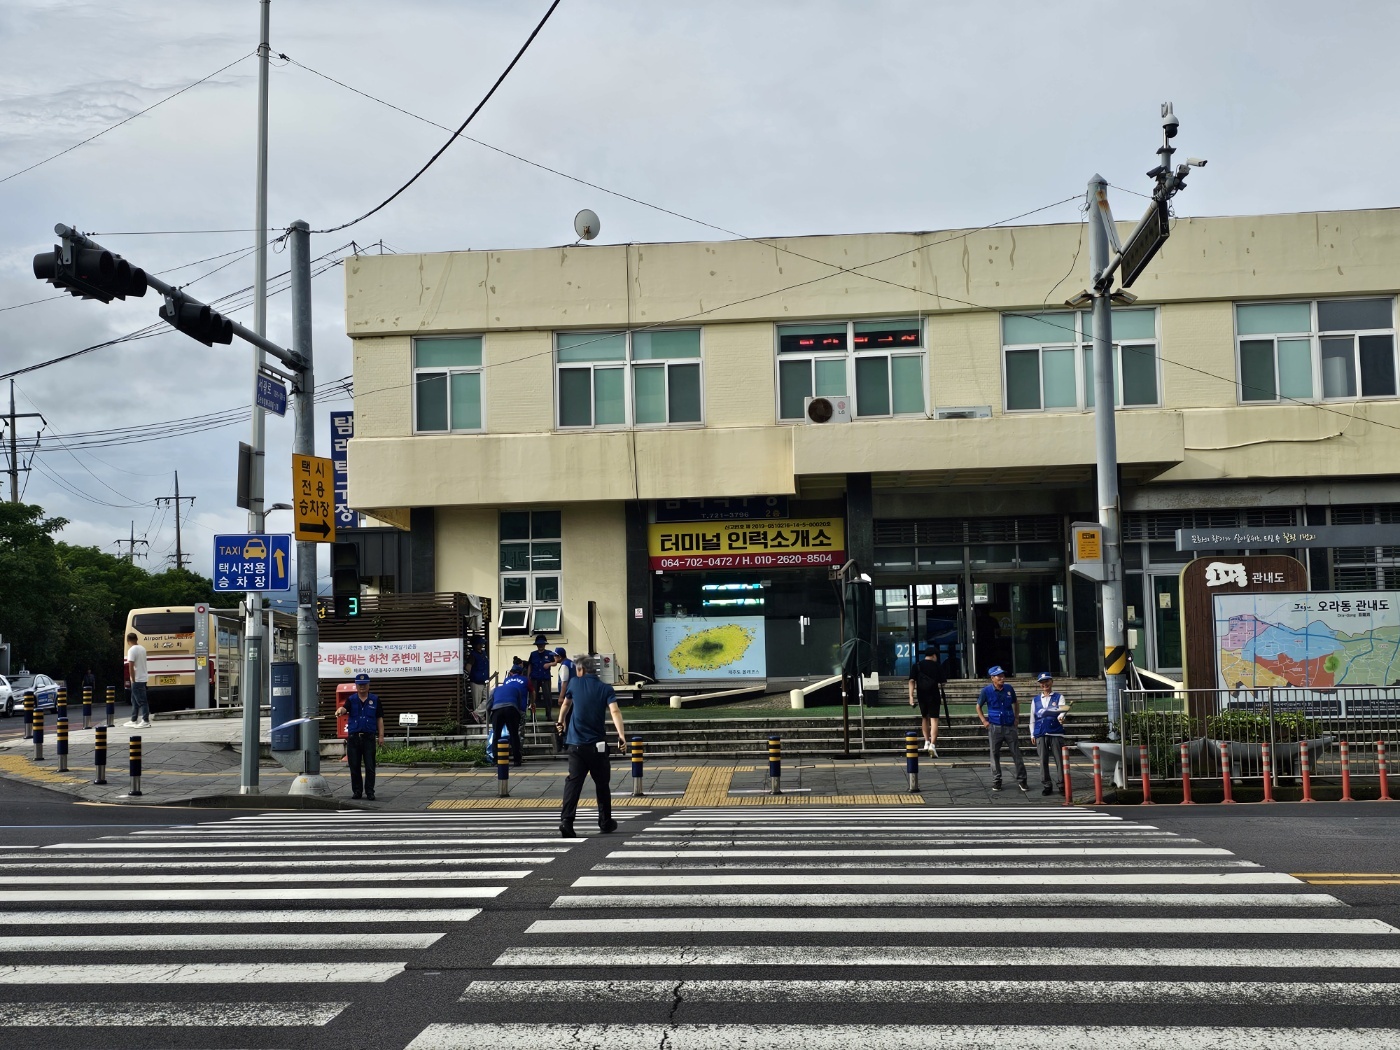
(196, 320)
(90, 273)
(345, 580)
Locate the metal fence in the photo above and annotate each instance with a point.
(1287, 720)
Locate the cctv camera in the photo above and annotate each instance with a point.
(1169, 121)
(1196, 162)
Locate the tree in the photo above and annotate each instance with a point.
(34, 583)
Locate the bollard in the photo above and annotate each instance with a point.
(1064, 774)
(1267, 756)
(135, 766)
(1380, 766)
(87, 707)
(99, 755)
(638, 754)
(28, 716)
(1225, 771)
(111, 706)
(1186, 774)
(38, 736)
(1305, 765)
(775, 765)
(503, 768)
(60, 747)
(911, 759)
(1146, 780)
(1346, 774)
(61, 702)
(1098, 777)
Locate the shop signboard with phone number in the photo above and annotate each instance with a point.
(771, 544)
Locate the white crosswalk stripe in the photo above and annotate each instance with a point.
(761, 909)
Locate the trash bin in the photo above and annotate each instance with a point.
(285, 707)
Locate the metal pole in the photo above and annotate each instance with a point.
(1111, 593)
(251, 688)
(14, 450)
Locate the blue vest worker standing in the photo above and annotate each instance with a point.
(541, 660)
(585, 708)
(364, 732)
(1048, 710)
(996, 707)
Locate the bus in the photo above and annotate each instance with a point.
(168, 637)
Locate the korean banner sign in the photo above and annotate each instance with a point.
(777, 544)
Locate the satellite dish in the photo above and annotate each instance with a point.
(586, 224)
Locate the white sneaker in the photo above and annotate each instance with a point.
(144, 725)
(132, 725)
(933, 751)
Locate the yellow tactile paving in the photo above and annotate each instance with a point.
(28, 769)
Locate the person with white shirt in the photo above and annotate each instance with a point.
(137, 676)
(1048, 710)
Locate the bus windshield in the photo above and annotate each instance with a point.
(163, 623)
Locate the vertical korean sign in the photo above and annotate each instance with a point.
(342, 430)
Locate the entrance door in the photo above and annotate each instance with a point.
(941, 623)
(1167, 612)
(1021, 626)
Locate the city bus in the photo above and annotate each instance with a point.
(168, 637)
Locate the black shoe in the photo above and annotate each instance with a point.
(369, 795)
(566, 832)
(1046, 789)
(996, 785)
(608, 826)
(1022, 785)
(354, 796)
(518, 763)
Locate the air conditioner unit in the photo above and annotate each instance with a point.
(963, 412)
(826, 409)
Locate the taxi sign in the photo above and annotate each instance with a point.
(252, 562)
(313, 498)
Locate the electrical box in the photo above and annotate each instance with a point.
(607, 667)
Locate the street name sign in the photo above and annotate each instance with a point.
(1151, 233)
(313, 498)
(257, 561)
(271, 394)
(1289, 537)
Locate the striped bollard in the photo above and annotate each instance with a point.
(134, 753)
(775, 765)
(1225, 772)
(38, 735)
(61, 703)
(1380, 767)
(87, 707)
(60, 747)
(1064, 774)
(111, 706)
(1305, 765)
(29, 716)
(1146, 777)
(503, 768)
(911, 760)
(99, 755)
(1268, 758)
(638, 755)
(1346, 774)
(1098, 777)
(1186, 774)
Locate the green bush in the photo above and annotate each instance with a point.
(399, 755)
(1162, 732)
(1252, 727)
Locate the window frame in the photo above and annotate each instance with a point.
(850, 356)
(1082, 347)
(530, 606)
(1314, 337)
(448, 371)
(628, 366)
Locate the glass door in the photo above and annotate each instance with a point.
(941, 624)
(1166, 608)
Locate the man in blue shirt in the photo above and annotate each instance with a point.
(583, 708)
(541, 660)
(1048, 710)
(364, 731)
(508, 701)
(998, 711)
(479, 673)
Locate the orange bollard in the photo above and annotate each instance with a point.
(1306, 767)
(1064, 774)
(1268, 760)
(1346, 775)
(1186, 774)
(1098, 777)
(1225, 772)
(1380, 765)
(1146, 781)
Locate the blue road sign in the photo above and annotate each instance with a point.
(252, 562)
(271, 394)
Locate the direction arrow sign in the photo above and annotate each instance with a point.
(270, 394)
(313, 503)
(252, 562)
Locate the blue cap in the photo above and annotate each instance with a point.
(541, 640)
(560, 651)
(995, 669)
(362, 679)
(1045, 676)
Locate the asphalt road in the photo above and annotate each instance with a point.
(795, 926)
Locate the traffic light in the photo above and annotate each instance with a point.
(345, 579)
(90, 273)
(196, 320)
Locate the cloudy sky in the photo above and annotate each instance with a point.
(761, 117)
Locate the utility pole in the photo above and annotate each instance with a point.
(1131, 258)
(175, 499)
(14, 443)
(131, 545)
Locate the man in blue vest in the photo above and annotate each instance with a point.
(584, 708)
(364, 731)
(541, 660)
(508, 701)
(1048, 710)
(998, 711)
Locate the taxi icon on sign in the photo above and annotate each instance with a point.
(255, 548)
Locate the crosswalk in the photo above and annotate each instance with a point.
(831, 929)
(278, 918)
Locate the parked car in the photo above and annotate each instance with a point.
(44, 688)
(7, 703)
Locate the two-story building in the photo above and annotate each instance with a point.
(628, 426)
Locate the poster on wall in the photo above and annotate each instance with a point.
(710, 647)
(414, 656)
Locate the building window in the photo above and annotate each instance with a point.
(1048, 360)
(531, 565)
(447, 385)
(617, 379)
(881, 361)
(1329, 350)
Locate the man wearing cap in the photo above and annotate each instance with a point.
(479, 673)
(541, 660)
(998, 711)
(1048, 711)
(364, 732)
(509, 700)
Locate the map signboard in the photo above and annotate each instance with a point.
(1318, 640)
(710, 647)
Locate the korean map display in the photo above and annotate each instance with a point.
(1317, 640)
